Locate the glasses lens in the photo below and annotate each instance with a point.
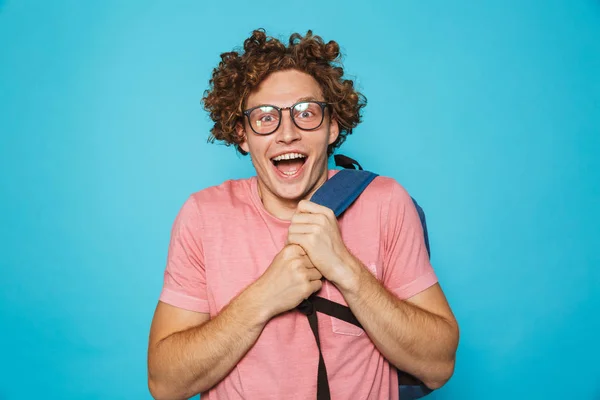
(308, 115)
(264, 120)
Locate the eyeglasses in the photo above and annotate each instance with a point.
(306, 115)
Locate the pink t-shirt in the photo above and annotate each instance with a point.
(223, 239)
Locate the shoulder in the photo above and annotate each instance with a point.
(384, 198)
(388, 190)
(390, 200)
(216, 200)
(225, 195)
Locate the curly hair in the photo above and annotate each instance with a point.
(238, 75)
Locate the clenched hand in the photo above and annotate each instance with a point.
(315, 229)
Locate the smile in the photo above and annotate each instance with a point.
(289, 165)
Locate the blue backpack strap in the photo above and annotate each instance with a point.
(340, 191)
(350, 163)
(337, 193)
(423, 224)
(413, 392)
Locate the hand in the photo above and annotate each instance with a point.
(315, 229)
(290, 278)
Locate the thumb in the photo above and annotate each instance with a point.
(297, 249)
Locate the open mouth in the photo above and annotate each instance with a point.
(289, 164)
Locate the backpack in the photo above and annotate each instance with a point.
(338, 193)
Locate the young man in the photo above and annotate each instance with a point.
(246, 253)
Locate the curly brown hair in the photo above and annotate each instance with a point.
(237, 75)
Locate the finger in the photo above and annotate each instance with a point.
(306, 206)
(313, 274)
(316, 285)
(304, 218)
(311, 219)
(294, 250)
(305, 241)
(302, 228)
(306, 261)
(323, 218)
(300, 239)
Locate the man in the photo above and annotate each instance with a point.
(246, 253)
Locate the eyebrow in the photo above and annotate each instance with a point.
(309, 98)
(301, 99)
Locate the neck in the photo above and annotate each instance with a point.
(284, 208)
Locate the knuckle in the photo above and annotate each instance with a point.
(304, 275)
(291, 250)
(308, 288)
(286, 253)
(318, 285)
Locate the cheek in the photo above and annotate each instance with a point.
(323, 141)
(258, 147)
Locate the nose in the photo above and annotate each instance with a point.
(287, 132)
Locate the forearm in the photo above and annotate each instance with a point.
(194, 360)
(414, 340)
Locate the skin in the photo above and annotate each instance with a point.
(280, 196)
(418, 336)
(189, 353)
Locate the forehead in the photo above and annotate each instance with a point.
(284, 88)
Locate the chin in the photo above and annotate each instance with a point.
(295, 193)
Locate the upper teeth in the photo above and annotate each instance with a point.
(289, 156)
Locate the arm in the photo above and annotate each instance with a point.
(189, 353)
(418, 335)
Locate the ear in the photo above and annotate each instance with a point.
(334, 130)
(239, 128)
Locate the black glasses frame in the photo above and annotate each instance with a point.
(322, 104)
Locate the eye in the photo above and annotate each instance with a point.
(304, 110)
(264, 116)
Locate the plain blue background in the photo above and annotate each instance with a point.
(489, 114)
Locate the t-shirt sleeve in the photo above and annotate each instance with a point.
(184, 284)
(407, 269)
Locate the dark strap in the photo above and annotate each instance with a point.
(346, 162)
(307, 308)
(338, 193)
(410, 387)
(334, 309)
